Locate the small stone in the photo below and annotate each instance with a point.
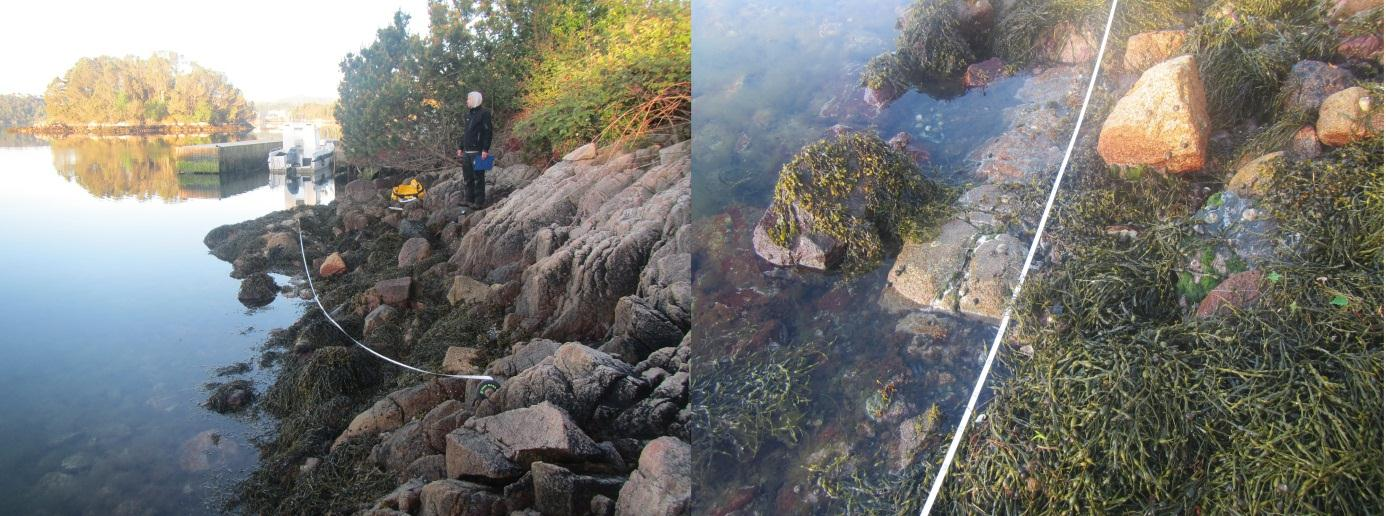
(332, 266)
(1310, 82)
(413, 251)
(1343, 119)
(467, 290)
(1305, 144)
(1253, 178)
(1366, 47)
(378, 317)
(394, 291)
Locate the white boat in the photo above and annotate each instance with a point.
(303, 151)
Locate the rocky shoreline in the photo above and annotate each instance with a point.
(573, 289)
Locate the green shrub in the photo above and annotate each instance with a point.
(618, 75)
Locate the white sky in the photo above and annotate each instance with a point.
(270, 49)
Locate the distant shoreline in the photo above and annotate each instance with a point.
(131, 130)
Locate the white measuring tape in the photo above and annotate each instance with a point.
(309, 274)
(1024, 271)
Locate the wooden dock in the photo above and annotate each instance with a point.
(214, 158)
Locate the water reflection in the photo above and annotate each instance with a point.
(145, 169)
(115, 317)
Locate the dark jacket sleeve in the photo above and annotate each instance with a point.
(485, 131)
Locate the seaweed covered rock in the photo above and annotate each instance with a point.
(232, 396)
(257, 290)
(938, 40)
(1161, 122)
(844, 202)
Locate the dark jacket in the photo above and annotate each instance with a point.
(476, 134)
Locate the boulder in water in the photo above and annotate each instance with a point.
(257, 290)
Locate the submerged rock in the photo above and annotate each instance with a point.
(206, 450)
(257, 290)
(984, 73)
(924, 272)
(232, 396)
(1347, 116)
(1161, 122)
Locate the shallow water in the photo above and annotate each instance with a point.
(771, 81)
(115, 317)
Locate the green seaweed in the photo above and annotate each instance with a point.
(749, 399)
(1245, 50)
(1128, 404)
(1025, 31)
(827, 180)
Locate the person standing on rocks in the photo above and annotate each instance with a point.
(476, 141)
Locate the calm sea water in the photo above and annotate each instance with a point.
(114, 317)
(770, 78)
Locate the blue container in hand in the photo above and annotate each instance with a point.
(481, 164)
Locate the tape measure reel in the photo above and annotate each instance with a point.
(487, 387)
